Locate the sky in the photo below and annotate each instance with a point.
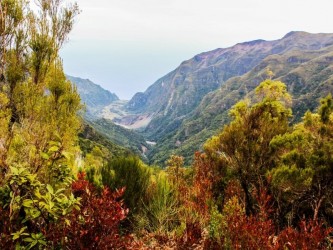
(126, 45)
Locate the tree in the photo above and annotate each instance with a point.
(38, 117)
(243, 146)
(132, 174)
(175, 169)
(36, 96)
(303, 178)
(12, 44)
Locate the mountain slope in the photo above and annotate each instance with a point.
(187, 106)
(121, 136)
(90, 138)
(307, 82)
(175, 95)
(170, 99)
(92, 95)
(117, 139)
(191, 103)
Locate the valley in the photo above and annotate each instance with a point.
(182, 109)
(120, 115)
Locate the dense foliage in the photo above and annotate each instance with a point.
(39, 124)
(124, 137)
(258, 184)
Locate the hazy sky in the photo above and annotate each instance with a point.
(126, 45)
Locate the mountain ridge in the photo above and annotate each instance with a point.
(172, 130)
(92, 95)
(185, 107)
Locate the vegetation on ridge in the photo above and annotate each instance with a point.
(306, 72)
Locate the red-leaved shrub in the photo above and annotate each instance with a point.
(311, 235)
(96, 224)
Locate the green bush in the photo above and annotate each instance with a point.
(132, 174)
(161, 212)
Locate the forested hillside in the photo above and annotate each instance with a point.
(191, 103)
(181, 110)
(306, 70)
(121, 136)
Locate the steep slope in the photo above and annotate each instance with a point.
(92, 95)
(309, 77)
(116, 139)
(170, 99)
(121, 136)
(90, 138)
(182, 118)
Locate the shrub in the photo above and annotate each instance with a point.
(96, 224)
(131, 173)
(161, 212)
(311, 235)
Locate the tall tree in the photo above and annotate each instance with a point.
(12, 45)
(40, 102)
(304, 176)
(38, 119)
(243, 146)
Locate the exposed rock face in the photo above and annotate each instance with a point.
(133, 121)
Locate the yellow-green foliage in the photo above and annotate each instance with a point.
(305, 165)
(132, 174)
(94, 163)
(38, 118)
(5, 115)
(161, 212)
(150, 194)
(242, 147)
(39, 106)
(215, 226)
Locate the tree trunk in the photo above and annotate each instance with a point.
(248, 198)
(317, 207)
